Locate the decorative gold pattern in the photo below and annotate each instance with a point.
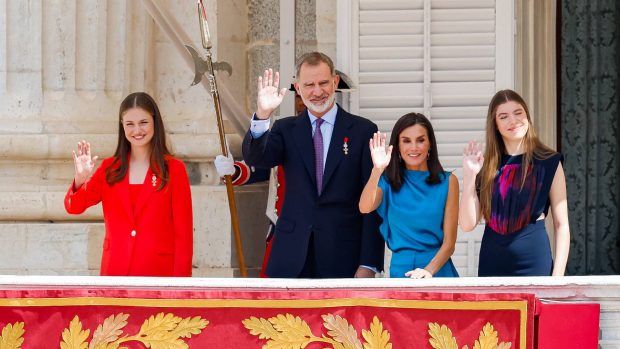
(441, 338)
(154, 180)
(288, 331)
(519, 305)
(376, 338)
(161, 331)
(11, 337)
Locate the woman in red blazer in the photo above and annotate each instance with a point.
(145, 193)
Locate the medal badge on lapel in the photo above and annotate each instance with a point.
(345, 146)
(154, 180)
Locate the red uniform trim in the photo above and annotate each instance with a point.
(244, 173)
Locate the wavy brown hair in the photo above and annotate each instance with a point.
(159, 150)
(495, 147)
(396, 168)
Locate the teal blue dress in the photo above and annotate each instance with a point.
(413, 222)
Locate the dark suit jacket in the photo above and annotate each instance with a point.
(344, 239)
(154, 240)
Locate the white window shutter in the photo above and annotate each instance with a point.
(462, 79)
(391, 60)
(442, 58)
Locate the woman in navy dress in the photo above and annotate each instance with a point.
(512, 187)
(416, 198)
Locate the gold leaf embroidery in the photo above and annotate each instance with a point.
(261, 328)
(487, 339)
(12, 336)
(161, 331)
(73, 337)
(376, 338)
(291, 332)
(441, 337)
(190, 326)
(294, 332)
(108, 332)
(341, 331)
(159, 323)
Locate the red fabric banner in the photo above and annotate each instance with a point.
(233, 318)
(565, 325)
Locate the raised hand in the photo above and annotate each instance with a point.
(380, 155)
(269, 97)
(472, 159)
(83, 162)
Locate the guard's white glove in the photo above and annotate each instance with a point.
(224, 165)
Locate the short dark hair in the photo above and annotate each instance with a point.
(314, 59)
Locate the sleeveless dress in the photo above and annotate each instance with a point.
(413, 222)
(515, 242)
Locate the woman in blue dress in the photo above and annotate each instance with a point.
(416, 198)
(512, 187)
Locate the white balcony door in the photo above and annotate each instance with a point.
(442, 58)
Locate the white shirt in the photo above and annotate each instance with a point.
(259, 127)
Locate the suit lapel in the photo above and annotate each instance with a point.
(147, 190)
(335, 152)
(302, 136)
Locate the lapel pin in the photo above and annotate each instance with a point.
(345, 146)
(154, 180)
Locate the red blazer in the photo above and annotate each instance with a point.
(156, 239)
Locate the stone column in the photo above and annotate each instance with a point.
(65, 66)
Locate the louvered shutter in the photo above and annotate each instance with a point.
(391, 60)
(443, 58)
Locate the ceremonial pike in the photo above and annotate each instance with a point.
(206, 66)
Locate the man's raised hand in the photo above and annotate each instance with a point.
(269, 96)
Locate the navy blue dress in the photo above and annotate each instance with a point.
(515, 241)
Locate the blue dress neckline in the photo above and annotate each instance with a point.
(416, 172)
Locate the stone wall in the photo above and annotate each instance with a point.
(264, 35)
(64, 68)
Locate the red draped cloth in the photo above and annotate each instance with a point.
(75, 317)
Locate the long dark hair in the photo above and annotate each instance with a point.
(495, 147)
(396, 168)
(159, 150)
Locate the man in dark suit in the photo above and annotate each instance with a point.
(324, 151)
